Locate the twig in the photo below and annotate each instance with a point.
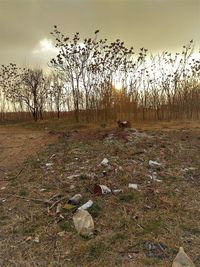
(30, 199)
(54, 196)
(58, 201)
(15, 177)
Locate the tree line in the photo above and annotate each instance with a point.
(95, 80)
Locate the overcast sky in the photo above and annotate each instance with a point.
(25, 25)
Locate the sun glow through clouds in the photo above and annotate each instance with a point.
(118, 85)
(45, 45)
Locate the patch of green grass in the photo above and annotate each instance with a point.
(124, 223)
(23, 192)
(55, 264)
(152, 262)
(129, 197)
(29, 230)
(83, 177)
(171, 179)
(65, 226)
(118, 238)
(192, 230)
(95, 209)
(96, 249)
(154, 226)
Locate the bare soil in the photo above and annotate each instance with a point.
(135, 228)
(16, 144)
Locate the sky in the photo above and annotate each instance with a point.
(158, 25)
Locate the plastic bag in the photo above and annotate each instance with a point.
(83, 222)
(182, 260)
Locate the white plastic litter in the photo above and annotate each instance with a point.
(182, 259)
(86, 206)
(154, 177)
(117, 191)
(102, 189)
(83, 222)
(105, 162)
(73, 176)
(49, 164)
(133, 186)
(154, 164)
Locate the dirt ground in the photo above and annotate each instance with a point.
(16, 144)
(143, 227)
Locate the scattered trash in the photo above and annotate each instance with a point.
(124, 124)
(133, 186)
(72, 187)
(182, 259)
(75, 199)
(101, 190)
(58, 208)
(117, 191)
(104, 173)
(105, 162)
(156, 250)
(61, 233)
(29, 238)
(73, 176)
(49, 164)
(68, 207)
(36, 239)
(154, 164)
(52, 156)
(2, 200)
(3, 188)
(86, 206)
(188, 169)
(83, 223)
(154, 177)
(42, 190)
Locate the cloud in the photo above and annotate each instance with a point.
(45, 46)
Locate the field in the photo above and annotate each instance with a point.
(143, 227)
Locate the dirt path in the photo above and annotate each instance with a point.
(17, 144)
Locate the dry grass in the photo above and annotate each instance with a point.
(134, 228)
